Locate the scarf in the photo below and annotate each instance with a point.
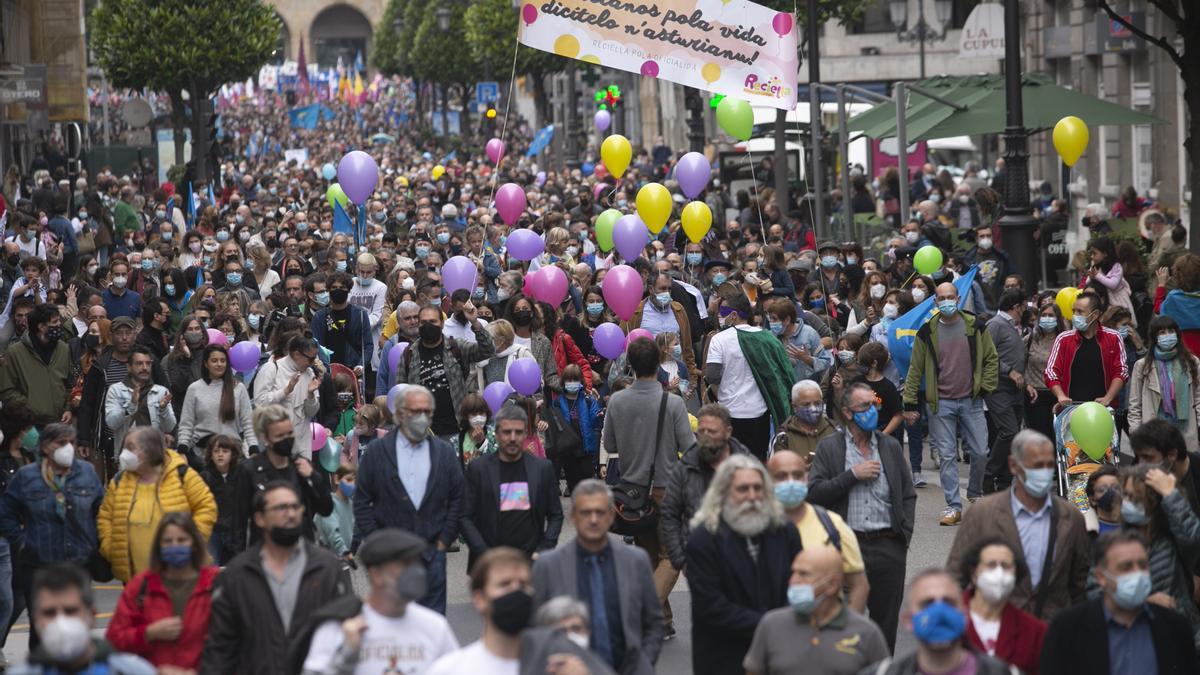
(771, 369)
(1175, 385)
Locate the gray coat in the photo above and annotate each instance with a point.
(685, 489)
(629, 431)
(554, 574)
(1010, 348)
(829, 481)
(459, 359)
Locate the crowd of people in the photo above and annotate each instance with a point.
(761, 441)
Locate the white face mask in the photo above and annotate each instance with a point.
(918, 294)
(891, 311)
(64, 456)
(128, 460)
(66, 638)
(878, 291)
(580, 641)
(477, 421)
(996, 584)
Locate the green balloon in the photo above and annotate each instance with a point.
(330, 456)
(604, 229)
(335, 194)
(928, 259)
(735, 117)
(1092, 426)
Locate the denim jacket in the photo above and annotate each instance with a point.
(30, 521)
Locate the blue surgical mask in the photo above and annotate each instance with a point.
(347, 489)
(719, 279)
(340, 266)
(817, 303)
(255, 320)
(776, 327)
(573, 387)
(321, 298)
(867, 420)
(147, 265)
(436, 302)
(1081, 323)
(677, 352)
(948, 307)
(802, 599)
(594, 309)
(1123, 331)
(851, 260)
(846, 356)
(169, 289)
(222, 235)
(828, 261)
(791, 493)
(663, 299)
(477, 294)
(166, 236)
(1048, 323)
(443, 238)
(301, 225)
(176, 556)
(1038, 481)
(938, 624)
(1132, 589)
(694, 258)
(234, 278)
(422, 252)
(1133, 513)
(1167, 341)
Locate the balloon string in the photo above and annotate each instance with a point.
(512, 78)
(754, 182)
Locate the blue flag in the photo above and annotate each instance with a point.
(541, 140)
(341, 220)
(212, 201)
(191, 207)
(903, 330)
(358, 62)
(306, 117)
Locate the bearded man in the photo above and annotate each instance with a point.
(739, 558)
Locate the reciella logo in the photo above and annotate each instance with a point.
(772, 88)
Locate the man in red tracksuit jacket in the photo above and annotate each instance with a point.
(1087, 363)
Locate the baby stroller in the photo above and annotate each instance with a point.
(1074, 465)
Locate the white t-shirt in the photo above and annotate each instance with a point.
(474, 659)
(406, 645)
(988, 632)
(738, 391)
(519, 341)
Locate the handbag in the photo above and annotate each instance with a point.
(85, 242)
(636, 511)
(562, 439)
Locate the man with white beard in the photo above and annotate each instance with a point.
(739, 558)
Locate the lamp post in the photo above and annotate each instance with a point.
(443, 22)
(1018, 224)
(922, 31)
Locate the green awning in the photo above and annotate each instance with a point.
(983, 98)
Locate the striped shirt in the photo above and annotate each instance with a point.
(869, 507)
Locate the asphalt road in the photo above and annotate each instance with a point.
(930, 545)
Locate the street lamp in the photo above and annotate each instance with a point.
(1017, 224)
(922, 32)
(443, 18)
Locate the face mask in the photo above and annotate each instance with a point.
(429, 332)
(791, 493)
(948, 307)
(802, 599)
(846, 356)
(90, 342)
(829, 261)
(912, 237)
(380, 216)
(1037, 481)
(54, 334)
(408, 283)
(677, 351)
(918, 294)
(594, 309)
(83, 215)
(364, 281)
(255, 320)
(339, 296)
(422, 252)
(302, 226)
(811, 414)
(321, 298)
(1080, 323)
(417, 426)
(222, 235)
(167, 236)
(285, 537)
(662, 299)
(776, 327)
(1132, 589)
(985, 243)
(996, 584)
(412, 584)
(851, 260)
(234, 278)
(817, 303)
(64, 455)
(581, 641)
(878, 291)
(935, 198)
(176, 556)
(169, 289)
(244, 235)
(347, 489)
(939, 624)
(891, 311)
(511, 612)
(867, 420)
(1133, 513)
(693, 259)
(194, 340)
(478, 421)
(1047, 323)
(1167, 341)
(523, 317)
(91, 269)
(719, 279)
(119, 281)
(443, 238)
(66, 638)
(160, 214)
(1105, 502)
(128, 460)
(502, 294)
(283, 446)
(194, 247)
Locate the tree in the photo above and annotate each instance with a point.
(184, 45)
(387, 45)
(1185, 18)
(438, 56)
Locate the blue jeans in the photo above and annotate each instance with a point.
(955, 417)
(219, 546)
(916, 436)
(435, 578)
(6, 588)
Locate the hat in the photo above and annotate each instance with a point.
(716, 262)
(828, 245)
(388, 544)
(800, 264)
(122, 322)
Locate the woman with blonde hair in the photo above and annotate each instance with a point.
(556, 251)
(265, 278)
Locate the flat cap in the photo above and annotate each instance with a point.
(388, 544)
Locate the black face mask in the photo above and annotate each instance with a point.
(53, 334)
(283, 447)
(90, 341)
(285, 536)
(339, 296)
(511, 612)
(1105, 502)
(523, 317)
(14, 260)
(430, 333)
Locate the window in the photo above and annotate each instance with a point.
(875, 19)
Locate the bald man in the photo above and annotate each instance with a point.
(818, 526)
(817, 633)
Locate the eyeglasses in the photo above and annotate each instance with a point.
(280, 508)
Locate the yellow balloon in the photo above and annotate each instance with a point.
(654, 206)
(711, 72)
(1065, 299)
(697, 220)
(566, 45)
(1070, 139)
(438, 171)
(616, 152)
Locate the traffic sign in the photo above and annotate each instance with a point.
(486, 93)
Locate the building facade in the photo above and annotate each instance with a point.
(329, 29)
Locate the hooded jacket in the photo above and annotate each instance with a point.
(41, 383)
(924, 364)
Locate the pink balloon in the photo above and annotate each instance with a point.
(319, 436)
(510, 202)
(650, 68)
(630, 236)
(600, 171)
(782, 23)
(638, 334)
(600, 187)
(524, 244)
(358, 174)
(495, 150)
(622, 288)
(459, 272)
(529, 13)
(609, 340)
(549, 285)
(216, 337)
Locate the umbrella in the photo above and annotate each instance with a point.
(982, 102)
(383, 138)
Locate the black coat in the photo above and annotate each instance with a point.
(685, 490)
(253, 474)
(829, 481)
(1077, 641)
(481, 514)
(730, 594)
(245, 634)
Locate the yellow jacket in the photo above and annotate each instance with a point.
(185, 492)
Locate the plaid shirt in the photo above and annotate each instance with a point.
(869, 506)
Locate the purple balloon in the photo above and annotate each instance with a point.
(630, 236)
(524, 244)
(243, 356)
(609, 340)
(693, 172)
(495, 150)
(525, 376)
(540, 179)
(395, 354)
(458, 272)
(393, 393)
(510, 202)
(495, 394)
(358, 174)
(603, 118)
